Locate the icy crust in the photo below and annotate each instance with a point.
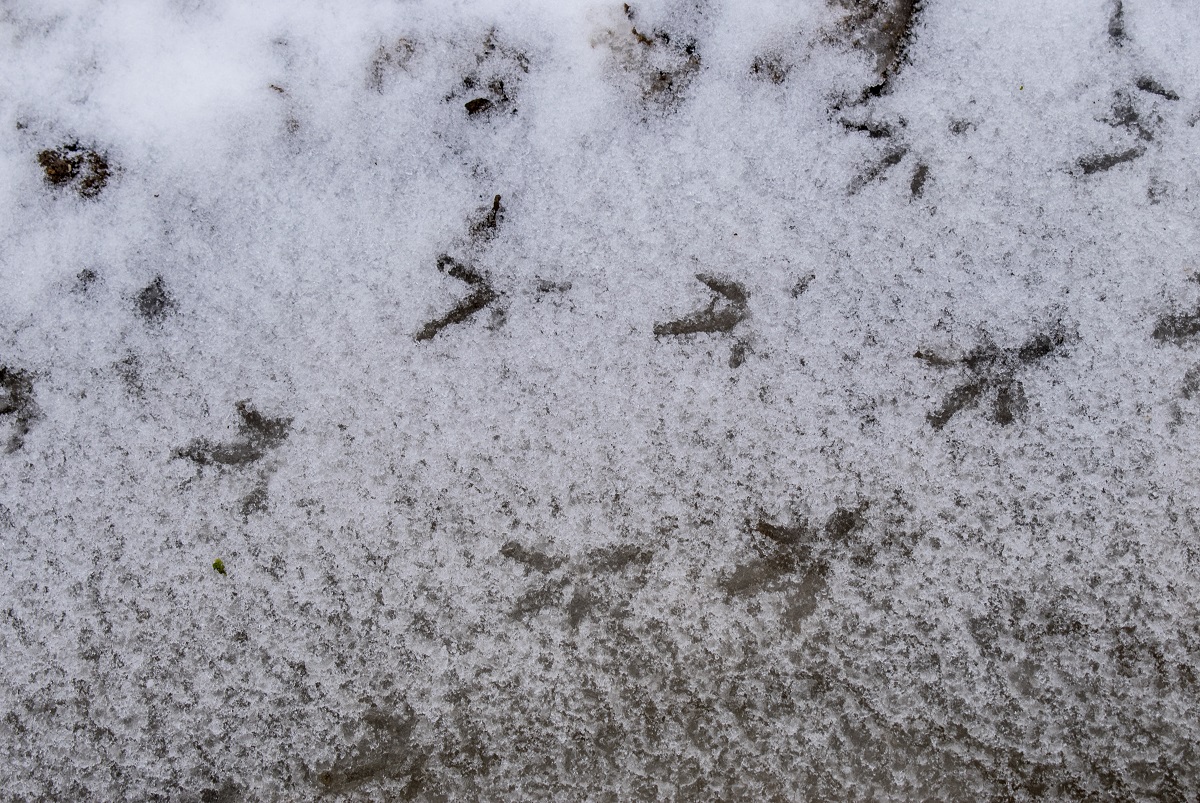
(588, 402)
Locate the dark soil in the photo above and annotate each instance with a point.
(17, 404)
(87, 169)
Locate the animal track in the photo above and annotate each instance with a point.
(387, 749)
(482, 294)
(1129, 110)
(1107, 161)
(884, 29)
(257, 435)
(1116, 24)
(722, 314)
(599, 582)
(388, 60)
(992, 369)
(878, 170)
(796, 559)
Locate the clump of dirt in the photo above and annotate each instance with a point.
(17, 404)
(661, 63)
(491, 87)
(991, 369)
(71, 164)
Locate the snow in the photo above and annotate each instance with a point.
(916, 518)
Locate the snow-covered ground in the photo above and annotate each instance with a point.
(561, 401)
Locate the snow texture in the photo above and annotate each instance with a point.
(555, 400)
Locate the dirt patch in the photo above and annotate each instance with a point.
(17, 404)
(153, 302)
(530, 558)
(1177, 327)
(661, 63)
(491, 86)
(770, 67)
(920, 176)
(86, 169)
